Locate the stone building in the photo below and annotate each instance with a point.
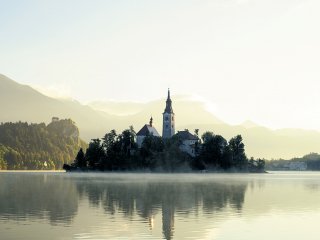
(146, 130)
(189, 142)
(55, 119)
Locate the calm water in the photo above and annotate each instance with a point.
(159, 206)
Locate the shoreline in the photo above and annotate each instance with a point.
(15, 171)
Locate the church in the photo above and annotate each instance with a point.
(168, 130)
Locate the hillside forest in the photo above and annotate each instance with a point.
(26, 146)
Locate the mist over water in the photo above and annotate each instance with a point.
(159, 206)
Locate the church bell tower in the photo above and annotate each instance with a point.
(168, 127)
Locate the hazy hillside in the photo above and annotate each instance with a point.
(23, 103)
(265, 143)
(187, 112)
(20, 102)
(118, 108)
(260, 141)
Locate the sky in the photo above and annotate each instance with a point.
(252, 60)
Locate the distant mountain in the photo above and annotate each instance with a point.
(249, 124)
(23, 103)
(265, 143)
(260, 141)
(117, 108)
(137, 114)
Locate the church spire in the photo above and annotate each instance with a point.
(168, 127)
(168, 108)
(151, 121)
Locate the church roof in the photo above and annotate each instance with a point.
(148, 130)
(186, 135)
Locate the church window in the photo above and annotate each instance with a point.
(166, 126)
(166, 118)
(172, 118)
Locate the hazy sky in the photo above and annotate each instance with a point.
(250, 59)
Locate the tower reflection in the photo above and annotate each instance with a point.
(154, 196)
(56, 198)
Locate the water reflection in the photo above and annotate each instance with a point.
(37, 197)
(148, 198)
(153, 206)
(56, 197)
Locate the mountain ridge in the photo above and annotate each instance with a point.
(23, 103)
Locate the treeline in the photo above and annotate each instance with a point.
(119, 152)
(38, 146)
(310, 162)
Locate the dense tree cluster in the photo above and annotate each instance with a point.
(38, 146)
(217, 153)
(119, 152)
(312, 160)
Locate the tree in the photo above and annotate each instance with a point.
(239, 159)
(213, 150)
(12, 158)
(80, 159)
(127, 140)
(95, 154)
(109, 139)
(173, 159)
(261, 165)
(256, 166)
(227, 158)
(119, 150)
(151, 147)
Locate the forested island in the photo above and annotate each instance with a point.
(119, 152)
(26, 146)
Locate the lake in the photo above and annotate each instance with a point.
(58, 205)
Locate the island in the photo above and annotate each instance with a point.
(180, 151)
